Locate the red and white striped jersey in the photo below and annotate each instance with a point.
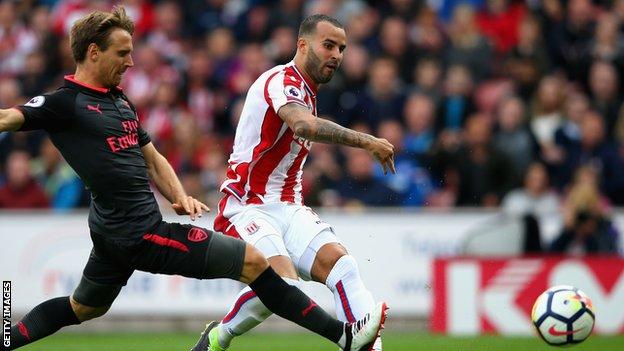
(266, 164)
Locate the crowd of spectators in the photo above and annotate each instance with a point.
(479, 97)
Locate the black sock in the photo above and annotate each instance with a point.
(43, 320)
(291, 303)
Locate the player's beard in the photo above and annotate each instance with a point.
(314, 66)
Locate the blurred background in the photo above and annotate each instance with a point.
(507, 117)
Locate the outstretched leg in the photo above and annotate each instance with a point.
(90, 300)
(43, 320)
(340, 273)
(248, 311)
(288, 301)
(50, 316)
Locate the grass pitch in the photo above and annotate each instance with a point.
(307, 342)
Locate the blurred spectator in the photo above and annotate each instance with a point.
(533, 204)
(182, 150)
(140, 82)
(66, 12)
(213, 164)
(528, 60)
(576, 106)
(535, 197)
(405, 9)
(34, 78)
(341, 101)
(142, 13)
(411, 182)
(427, 34)
(200, 99)
(160, 119)
(361, 26)
(383, 96)
(419, 115)
(394, 43)
(468, 47)
(61, 184)
(221, 47)
(250, 62)
(485, 173)
(10, 95)
(10, 92)
(572, 37)
(40, 21)
(323, 172)
(618, 11)
(605, 95)
(546, 116)
(286, 13)
(608, 43)
(427, 78)
(166, 37)
(358, 187)
(282, 45)
(21, 190)
(512, 138)
(16, 40)
(457, 103)
(587, 228)
(446, 8)
(595, 150)
(499, 22)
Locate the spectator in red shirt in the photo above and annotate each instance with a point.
(21, 190)
(499, 22)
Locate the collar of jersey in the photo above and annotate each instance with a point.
(306, 81)
(70, 80)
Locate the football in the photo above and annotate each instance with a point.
(563, 315)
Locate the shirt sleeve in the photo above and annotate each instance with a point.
(47, 111)
(144, 138)
(281, 90)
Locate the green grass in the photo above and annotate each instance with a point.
(306, 342)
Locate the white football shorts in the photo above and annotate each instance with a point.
(284, 229)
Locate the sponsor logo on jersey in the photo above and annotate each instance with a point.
(37, 101)
(95, 108)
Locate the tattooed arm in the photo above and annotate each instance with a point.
(312, 128)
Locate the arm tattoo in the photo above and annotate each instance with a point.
(322, 130)
(325, 131)
(330, 132)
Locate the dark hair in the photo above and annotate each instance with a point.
(308, 26)
(96, 28)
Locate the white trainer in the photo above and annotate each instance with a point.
(366, 331)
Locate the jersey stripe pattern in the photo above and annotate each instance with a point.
(266, 165)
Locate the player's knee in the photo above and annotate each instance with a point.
(85, 313)
(255, 263)
(326, 259)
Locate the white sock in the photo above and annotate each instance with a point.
(246, 313)
(353, 300)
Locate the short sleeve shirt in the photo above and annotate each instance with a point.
(98, 132)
